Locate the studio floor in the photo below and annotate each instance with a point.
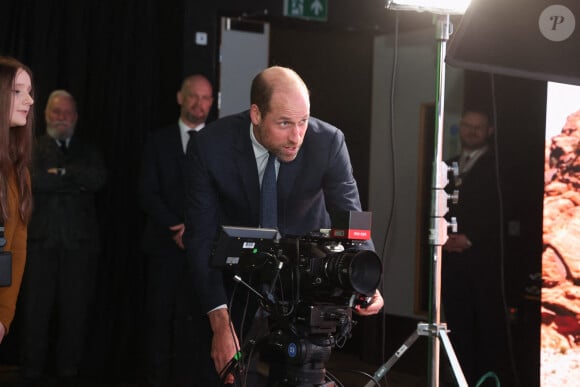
(343, 365)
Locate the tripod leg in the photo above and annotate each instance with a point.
(393, 359)
(457, 372)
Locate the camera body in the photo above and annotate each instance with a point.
(307, 285)
(311, 281)
(328, 270)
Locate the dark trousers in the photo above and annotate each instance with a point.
(163, 270)
(474, 312)
(177, 335)
(57, 287)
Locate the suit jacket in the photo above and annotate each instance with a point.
(64, 206)
(223, 189)
(162, 187)
(477, 211)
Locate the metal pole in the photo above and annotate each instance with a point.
(439, 180)
(437, 238)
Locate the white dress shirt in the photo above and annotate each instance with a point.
(184, 129)
(261, 155)
(468, 159)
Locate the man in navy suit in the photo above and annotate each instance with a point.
(162, 198)
(226, 164)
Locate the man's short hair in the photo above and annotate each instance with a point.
(271, 79)
(484, 111)
(193, 76)
(64, 94)
(261, 93)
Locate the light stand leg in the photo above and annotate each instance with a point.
(434, 333)
(457, 372)
(382, 371)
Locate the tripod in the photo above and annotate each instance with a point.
(303, 363)
(295, 360)
(435, 330)
(299, 343)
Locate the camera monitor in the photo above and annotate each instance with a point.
(242, 247)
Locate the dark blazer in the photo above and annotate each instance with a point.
(223, 189)
(477, 211)
(471, 281)
(162, 187)
(64, 206)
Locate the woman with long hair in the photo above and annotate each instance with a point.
(16, 120)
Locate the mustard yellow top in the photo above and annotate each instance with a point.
(15, 234)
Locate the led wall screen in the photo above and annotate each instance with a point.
(560, 341)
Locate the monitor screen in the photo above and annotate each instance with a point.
(243, 247)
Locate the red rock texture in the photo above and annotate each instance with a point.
(561, 237)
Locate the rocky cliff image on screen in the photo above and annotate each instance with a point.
(560, 328)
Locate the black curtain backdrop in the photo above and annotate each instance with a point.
(122, 60)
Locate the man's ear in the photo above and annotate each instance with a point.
(255, 114)
(490, 131)
(179, 98)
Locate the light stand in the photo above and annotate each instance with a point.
(435, 330)
(438, 231)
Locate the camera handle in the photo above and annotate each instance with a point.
(239, 279)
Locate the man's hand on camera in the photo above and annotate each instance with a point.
(224, 344)
(374, 306)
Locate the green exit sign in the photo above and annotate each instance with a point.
(307, 9)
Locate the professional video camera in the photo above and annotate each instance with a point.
(308, 286)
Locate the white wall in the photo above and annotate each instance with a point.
(415, 84)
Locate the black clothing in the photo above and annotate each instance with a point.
(64, 209)
(173, 317)
(63, 245)
(471, 287)
(162, 188)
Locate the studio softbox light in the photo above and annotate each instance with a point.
(522, 38)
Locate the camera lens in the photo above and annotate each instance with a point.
(359, 271)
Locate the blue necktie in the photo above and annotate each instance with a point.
(269, 196)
